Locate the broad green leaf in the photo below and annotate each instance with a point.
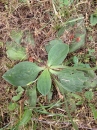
(16, 53)
(89, 95)
(16, 36)
(12, 106)
(44, 82)
(51, 44)
(22, 73)
(72, 80)
(49, 95)
(32, 95)
(57, 54)
(92, 82)
(90, 73)
(93, 19)
(26, 117)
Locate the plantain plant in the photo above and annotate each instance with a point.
(72, 79)
(68, 78)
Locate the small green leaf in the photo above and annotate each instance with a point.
(32, 95)
(75, 60)
(12, 106)
(94, 110)
(29, 39)
(72, 80)
(44, 82)
(1, 44)
(57, 54)
(65, 2)
(89, 95)
(20, 89)
(16, 98)
(77, 44)
(79, 102)
(76, 96)
(16, 53)
(16, 36)
(93, 19)
(26, 117)
(23, 1)
(22, 73)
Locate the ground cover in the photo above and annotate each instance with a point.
(26, 28)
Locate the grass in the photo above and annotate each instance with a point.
(43, 19)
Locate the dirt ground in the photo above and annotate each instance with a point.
(38, 17)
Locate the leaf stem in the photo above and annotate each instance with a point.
(72, 68)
